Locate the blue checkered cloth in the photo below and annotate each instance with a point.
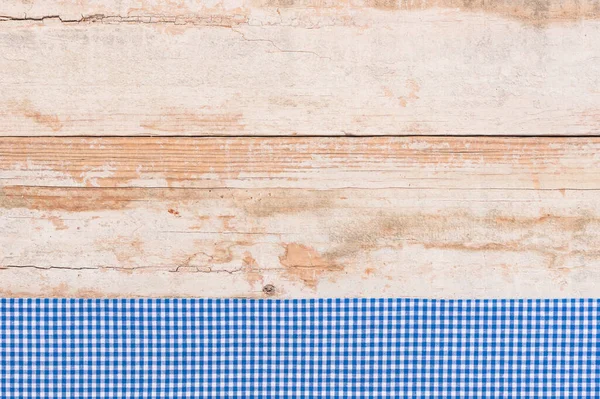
(332, 348)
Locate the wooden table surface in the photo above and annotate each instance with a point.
(300, 148)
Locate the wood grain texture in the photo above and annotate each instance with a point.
(302, 162)
(421, 215)
(531, 11)
(434, 217)
(283, 68)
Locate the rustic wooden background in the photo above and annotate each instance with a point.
(299, 148)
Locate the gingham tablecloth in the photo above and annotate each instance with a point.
(332, 348)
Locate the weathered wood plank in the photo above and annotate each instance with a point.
(468, 217)
(305, 68)
(302, 162)
(535, 12)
